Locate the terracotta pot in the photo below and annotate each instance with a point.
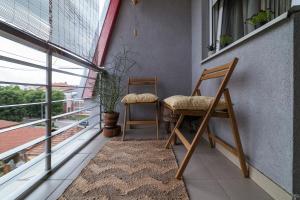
(111, 132)
(110, 119)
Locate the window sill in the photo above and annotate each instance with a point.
(248, 36)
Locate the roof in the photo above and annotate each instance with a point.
(38, 149)
(15, 138)
(63, 86)
(6, 124)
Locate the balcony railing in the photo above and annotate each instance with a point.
(47, 118)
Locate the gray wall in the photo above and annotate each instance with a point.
(162, 46)
(171, 42)
(262, 92)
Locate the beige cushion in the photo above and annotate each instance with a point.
(180, 102)
(139, 98)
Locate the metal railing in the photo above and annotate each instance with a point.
(48, 119)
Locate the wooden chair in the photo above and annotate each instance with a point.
(224, 72)
(145, 98)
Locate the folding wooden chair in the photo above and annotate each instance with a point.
(224, 72)
(144, 98)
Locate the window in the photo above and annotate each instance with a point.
(232, 19)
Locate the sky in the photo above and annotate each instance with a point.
(20, 73)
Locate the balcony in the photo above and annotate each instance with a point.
(55, 55)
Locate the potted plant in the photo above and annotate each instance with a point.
(111, 89)
(225, 40)
(211, 49)
(260, 18)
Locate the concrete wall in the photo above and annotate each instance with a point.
(171, 42)
(262, 92)
(162, 46)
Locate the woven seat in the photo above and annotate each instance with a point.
(206, 107)
(139, 98)
(133, 99)
(180, 102)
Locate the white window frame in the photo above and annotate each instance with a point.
(220, 20)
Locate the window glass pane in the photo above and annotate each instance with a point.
(215, 18)
(232, 25)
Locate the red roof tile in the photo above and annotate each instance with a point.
(6, 124)
(15, 138)
(38, 149)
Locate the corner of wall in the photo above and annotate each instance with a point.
(296, 105)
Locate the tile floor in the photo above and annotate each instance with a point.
(209, 175)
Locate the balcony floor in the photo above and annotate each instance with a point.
(209, 175)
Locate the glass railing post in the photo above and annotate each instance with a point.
(48, 110)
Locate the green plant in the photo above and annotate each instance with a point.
(111, 87)
(225, 40)
(262, 17)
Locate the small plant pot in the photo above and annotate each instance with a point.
(110, 119)
(111, 132)
(210, 53)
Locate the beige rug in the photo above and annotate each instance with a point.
(129, 170)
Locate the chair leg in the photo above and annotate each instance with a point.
(190, 152)
(157, 120)
(210, 138)
(173, 134)
(124, 123)
(236, 135)
(129, 116)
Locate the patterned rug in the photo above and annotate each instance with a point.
(129, 170)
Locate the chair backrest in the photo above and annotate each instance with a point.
(148, 81)
(224, 71)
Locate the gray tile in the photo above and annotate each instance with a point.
(7, 190)
(202, 148)
(206, 190)
(95, 145)
(60, 190)
(44, 190)
(145, 133)
(195, 169)
(244, 189)
(221, 168)
(69, 167)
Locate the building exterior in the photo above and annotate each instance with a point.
(264, 86)
(176, 40)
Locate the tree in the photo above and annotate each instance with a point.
(15, 95)
(34, 96)
(57, 108)
(12, 95)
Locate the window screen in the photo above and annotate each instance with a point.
(74, 25)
